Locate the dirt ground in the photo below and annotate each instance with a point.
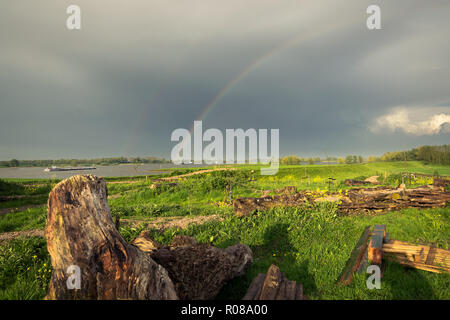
(6, 236)
(171, 222)
(17, 209)
(157, 223)
(372, 179)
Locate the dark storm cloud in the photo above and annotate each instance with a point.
(139, 70)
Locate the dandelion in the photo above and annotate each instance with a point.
(35, 256)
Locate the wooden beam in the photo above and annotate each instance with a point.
(355, 259)
(417, 265)
(274, 286)
(254, 290)
(271, 283)
(375, 252)
(431, 255)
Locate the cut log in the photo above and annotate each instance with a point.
(274, 286)
(80, 232)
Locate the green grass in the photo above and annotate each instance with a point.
(33, 218)
(310, 244)
(25, 269)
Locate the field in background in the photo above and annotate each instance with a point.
(309, 244)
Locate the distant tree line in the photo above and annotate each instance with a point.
(293, 160)
(429, 154)
(80, 162)
(350, 159)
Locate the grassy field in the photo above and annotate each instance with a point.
(309, 244)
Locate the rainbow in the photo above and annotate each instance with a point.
(289, 43)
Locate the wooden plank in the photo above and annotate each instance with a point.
(416, 253)
(290, 290)
(271, 283)
(254, 290)
(364, 262)
(274, 286)
(431, 255)
(355, 258)
(299, 292)
(417, 265)
(283, 291)
(375, 252)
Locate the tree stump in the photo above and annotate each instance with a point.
(80, 232)
(198, 271)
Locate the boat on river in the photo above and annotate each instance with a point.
(54, 168)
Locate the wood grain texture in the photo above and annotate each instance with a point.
(274, 286)
(355, 259)
(80, 231)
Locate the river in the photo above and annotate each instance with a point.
(121, 170)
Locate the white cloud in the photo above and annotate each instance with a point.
(418, 122)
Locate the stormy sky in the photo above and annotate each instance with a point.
(137, 70)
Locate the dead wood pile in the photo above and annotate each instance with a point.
(356, 200)
(386, 199)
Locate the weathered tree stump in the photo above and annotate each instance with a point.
(80, 232)
(198, 271)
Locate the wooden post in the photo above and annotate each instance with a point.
(231, 193)
(357, 255)
(375, 252)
